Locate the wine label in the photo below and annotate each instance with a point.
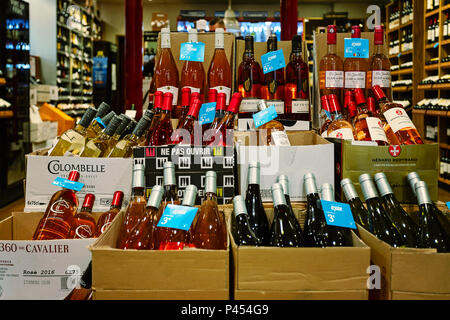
(249, 105)
(333, 79)
(84, 231)
(173, 91)
(280, 138)
(338, 214)
(398, 119)
(68, 184)
(177, 217)
(278, 104)
(165, 40)
(442, 168)
(300, 106)
(381, 78)
(264, 116)
(219, 39)
(376, 130)
(344, 133)
(225, 90)
(355, 79)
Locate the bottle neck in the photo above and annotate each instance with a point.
(138, 191)
(332, 49)
(86, 209)
(378, 49)
(113, 207)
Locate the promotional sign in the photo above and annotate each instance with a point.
(100, 71)
(177, 217)
(356, 48)
(207, 113)
(272, 61)
(338, 214)
(192, 51)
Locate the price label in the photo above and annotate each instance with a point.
(272, 61)
(356, 48)
(436, 45)
(448, 205)
(192, 51)
(99, 120)
(68, 184)
(177, 217)
(207, 113)
(264, 116)
(338, 214)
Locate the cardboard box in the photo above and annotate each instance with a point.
(308, 152)
(408, 273)
(300, 273)
(152, 274)
(396, 162)
(191, 165)
(101, 176)
(43, 131)
(38, 269)
(46, 93)
(50, 113)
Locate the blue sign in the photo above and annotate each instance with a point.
(272, 61)
(100, 71)
(177, 217)
(99, 120)
(356, 48)
(448, 205)
(264, 116)
(192, 51)
(338, 214)
(68, 184)
(207, 113)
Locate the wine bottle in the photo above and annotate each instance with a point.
(210, 230)
(105, 220)
(189, 198)
(157, 109)
(85, 290)
(380, 224)
(402, 221)
(284, 181)
(220, 110)
(282, 232)
(325, 114)
(163, 131)
(58, 218)
(125, 120)
(97, 147)
(242, 233)
(124, 148)
(339, 127)
(359, 212)
(219, 72)
(142, 236)
(430, 233)
(136, 208)
(256, 214)
(212, 97)
(379, 64)
(98, 126)
(355, 69)
(185, 104)
(271, 133)
(129, 129)
(184, 133)
(83, 222)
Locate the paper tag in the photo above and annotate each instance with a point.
(192, 51)
(177, 217)
(278, 104)
(68, 184)
(249, 105)
(265, 116)
(272, 61)
(356, 48)
(300, 106)
(207, 113)
(280, 138)
(338, 214)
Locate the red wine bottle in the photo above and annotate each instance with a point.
(242, 233)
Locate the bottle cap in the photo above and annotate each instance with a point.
(356, 32)
(309, 181)
(325, 103)
(130, 127)
(210, 182)
(262, 104)
(371, 104)
(221, 101)
(74, 176)
(249, 43)
(190, 194)
(167, 101)
(284, 181)
(278, 196)
(297, 43)
(368, 187)
(239, 205)
(378, 35)
(194, 95)
(382, 184)
(413, 178)
(112, 125)
(235, 102)
(349, 189)
(141, 126)
(212, 95)
(423, 196)
(331, 34)
(154, 200)
(185, 96)
(195, 108)
(88, 202)
(138, 175)
(334, 103)
(272, 43)
(117, 199)
(253, 173)
(88, 115)
(102, 110)
(106, 119)
(378, 92)
(124, 121)
(359, 96)
(327, 192)
(169, 173)
(158, 99)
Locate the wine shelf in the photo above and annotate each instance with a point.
(403, 71)
(444, 146)
(446, 181)
(6, 114)
(402, 89)
(432, 13)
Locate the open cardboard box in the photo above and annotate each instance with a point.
(300, 273)
(408, 273)
(308, 152)
(157, 275)
(38, 269)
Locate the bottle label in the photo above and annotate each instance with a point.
(165, 40)
(192, 51)
(58, 207)
(223, 89)
(278, 104)
(300, 106)
(338, 214)
(272, 61)
(207, 113)
(331, 79)
(324, 134)
(249, 105)
(280, 138)
(219, 40)
(442, 168)
(68, 184)
(344, 133)
(356, 48)
(355, 79)
(177, 217)
(172, 90)
(381, 78)
(84, 231)
(398, 119)
(264, 116)
(376, 130)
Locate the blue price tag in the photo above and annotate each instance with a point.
(192, 51)
(177, 217)
(272, 61)
(436, 45)
(264, 116)
(207, 113)
(99, 120)
(356, 48)
(338, 214)
(448, 205)
(68, 184)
